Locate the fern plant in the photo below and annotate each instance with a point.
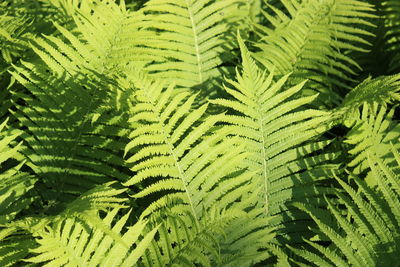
(71, 242)
(199, 133)
(313, 40)
(16, 185)
(276, 129)
(366, 232)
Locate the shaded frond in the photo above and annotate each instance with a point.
(14, 247)
(71, 151)
(15, 185)
(391, 10)
(380, 90)
(312, 38)
(366, 232)
(384, 89)
(222, 238)
(16, 195)
(14, 36)
(372, 132)
(99, 198)
(21, 21)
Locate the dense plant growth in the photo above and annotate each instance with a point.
(199, 133)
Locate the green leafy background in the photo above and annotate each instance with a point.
(199, 133)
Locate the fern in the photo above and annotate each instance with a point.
(191, 38)
(17, 193)
(70, 242)
(14, 247)
(373, 237)
(108, 105)
(311, 39)
(15, 185)
(274, 130)
(186, 175)
(58, 135)
(18, 233)
(216, 241)
(179, 245)
(372, 134)
(12, 39)
(392, 36)
(383, 89)
(178, 152)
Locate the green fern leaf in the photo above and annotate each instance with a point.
(381, 90)
(392, 36)
(372, 133)
(275, 131)
(366, 231)
(73, 243)
(191, 38)
(218, 240)
(311, 38)
(58, 134)
(179, 153)
(15, 185)
(13, 246)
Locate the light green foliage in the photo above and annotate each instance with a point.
(179, 146)
(192, 35)
(373, 133)
(199, 133)
(216, 240)
(381, 90)
(74, 243)
(11, 36)
(16, 195)
(274, 129)
(15, 185)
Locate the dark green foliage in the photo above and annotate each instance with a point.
(199, 133)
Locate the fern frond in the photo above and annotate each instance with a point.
(13, 36)
(20, 22)
(372, 133)
(180, 245)
(381, 90)
(220, 239)
(276, 131)
(85, 209)
(74, 243)
(366, 231)
(15, 185)
(71, 152)
(252, 228)
(387, 177)
(312, 38)
(100, 198)
(107, 38)
(176, 152)
(16, 195)
(13, 246)
(191, 37)
(384, 89)
(392, 37)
